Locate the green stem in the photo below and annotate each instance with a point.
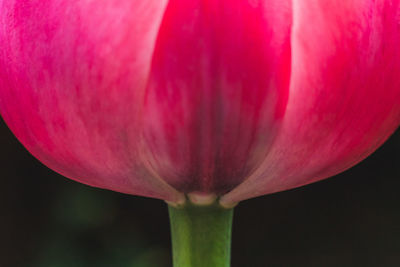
(201, 235)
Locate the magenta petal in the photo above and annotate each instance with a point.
(72, 78)
(217, 90)
(155, 97)
(344, 96)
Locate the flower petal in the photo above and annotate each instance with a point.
(217, 90)
(72, 77)
(344, 97)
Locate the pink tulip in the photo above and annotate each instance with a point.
(235, 98)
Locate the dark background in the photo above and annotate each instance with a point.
(47, 220)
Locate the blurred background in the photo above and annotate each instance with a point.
(47, 220)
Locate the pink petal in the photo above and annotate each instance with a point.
(73, 75)
(344, 96)
(217, 91)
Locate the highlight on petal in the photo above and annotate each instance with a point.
(72, 78)
(217, 90)
(344, 94)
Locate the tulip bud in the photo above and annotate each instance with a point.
(216, 100)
